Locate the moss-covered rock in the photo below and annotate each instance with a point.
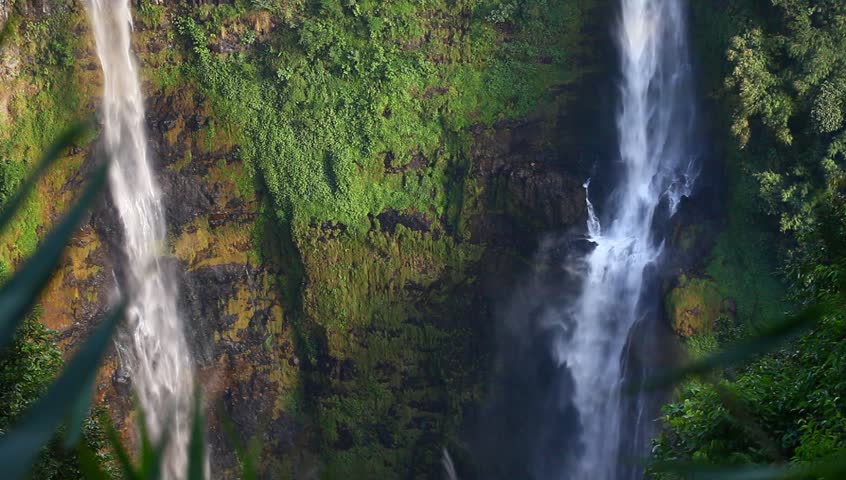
(340, 180)
(693, 306)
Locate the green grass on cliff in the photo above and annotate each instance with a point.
(346, 110)
(341, 111)
(41, 102)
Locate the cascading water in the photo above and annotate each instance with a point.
(657, 169)
(588, 319)
(155, 350)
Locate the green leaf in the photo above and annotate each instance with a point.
(90, 464)
(246, 456)
(53, 153)
(21, 445)
(21, 291)
(769, 339)
(151, 455)
(123, 459)
(196, 445)
(79, 412)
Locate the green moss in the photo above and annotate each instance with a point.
(693, 306)
(383, 302)
(325, 101)
(43, 100)
(354, 281)
(687, 236)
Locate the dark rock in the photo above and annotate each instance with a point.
(203, 313)
(418, 161)
(184, 199)
(217, 219)
(691, 235)
(415, 221)
(195, 122)
(167, 123)
(546, 193)
(729, 307)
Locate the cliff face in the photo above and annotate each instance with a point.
(349, 344)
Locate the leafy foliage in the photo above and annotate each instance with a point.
(783, 85)
(324, 106)
(26, 369)
(788, 77)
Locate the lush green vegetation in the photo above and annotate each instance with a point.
(26, 369)
(347, 109)
(341, 111)
(776, 69)
(344, 111)
(40, 100)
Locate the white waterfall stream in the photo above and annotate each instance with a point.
(155, 351)
(656, 170)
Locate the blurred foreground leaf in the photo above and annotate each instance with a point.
(123, 458)
(20, 446)
(832, 469)
(197, 443)
(90, 464)
(770, 338)
(53, 153)
(19, 294)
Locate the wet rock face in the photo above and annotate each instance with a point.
(528, 190)
(692, 300)
(185, 200)
(691, 235)
(546, 193)
(233, 312)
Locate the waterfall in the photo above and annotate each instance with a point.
(594, 228)
(656, 169)
(154, 351)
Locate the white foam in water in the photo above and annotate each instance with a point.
(155, 352)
